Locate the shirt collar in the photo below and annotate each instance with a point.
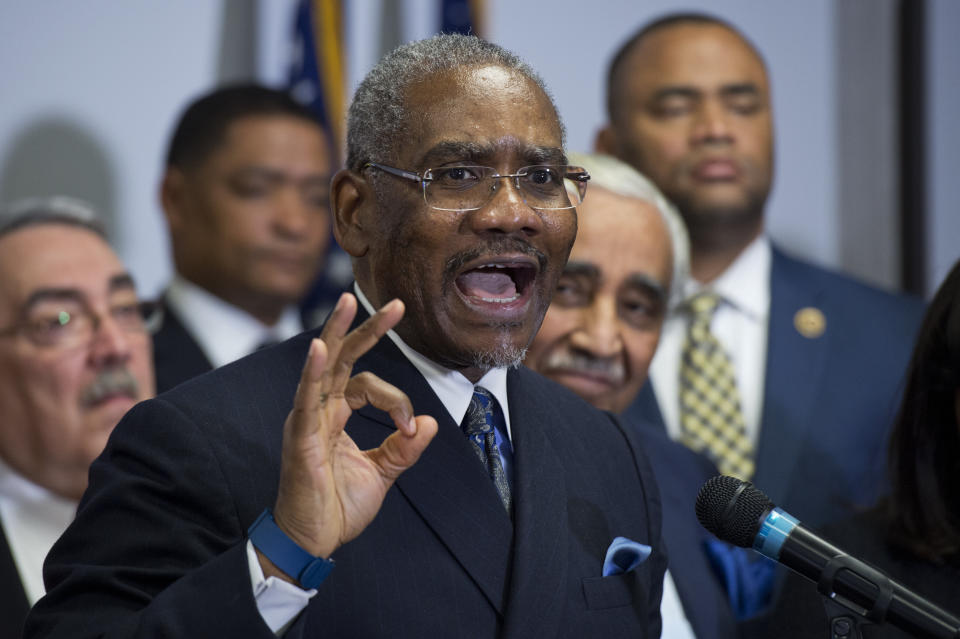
(18, 488)
(745, 284)
(224, 332)
(454, 390)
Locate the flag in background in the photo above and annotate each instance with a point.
(462, 16)
(317, 79)
(317, 74)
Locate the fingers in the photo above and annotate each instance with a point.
(366, 388)
(401, 450)
(362, 339)
(309, 398)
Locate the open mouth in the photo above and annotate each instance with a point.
(502, 283)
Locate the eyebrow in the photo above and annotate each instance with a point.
(480, 153)
(275, 175)
(727, 90)
(647, 283)
(122, 281)
(581, 268)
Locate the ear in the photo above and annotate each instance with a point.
(350, 195)
(606, 142)
(172, 197)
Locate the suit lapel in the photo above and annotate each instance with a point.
(793, 372)
(448, 486)
(539, 574)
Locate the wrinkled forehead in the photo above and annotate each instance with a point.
(60, 259)
(485, 110)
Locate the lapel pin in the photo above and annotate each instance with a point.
(810, 322)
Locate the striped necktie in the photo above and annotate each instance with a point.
(710, 416)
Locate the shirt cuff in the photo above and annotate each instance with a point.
(278, 601)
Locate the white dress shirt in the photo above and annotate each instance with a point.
(224, 332)
(33, 519)
(740, 323)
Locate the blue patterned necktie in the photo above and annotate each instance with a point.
(479, 425)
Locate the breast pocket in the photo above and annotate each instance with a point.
(602, 593)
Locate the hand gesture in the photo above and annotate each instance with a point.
(330, 490)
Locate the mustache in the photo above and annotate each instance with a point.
(497, 246)
(611, 368)
(111, 381)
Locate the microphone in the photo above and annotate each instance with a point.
(738, 513)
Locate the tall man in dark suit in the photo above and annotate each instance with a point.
(457, 208)
(782, 371)
(74, 357)
(245, 195)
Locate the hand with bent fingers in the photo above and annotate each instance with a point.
(330, 490)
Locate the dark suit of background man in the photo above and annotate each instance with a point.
(74, 357)
(462, 265)
(817, 358)
(245, 195)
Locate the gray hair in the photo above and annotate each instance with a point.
(56, 209)
(378, 115)
(618, 177)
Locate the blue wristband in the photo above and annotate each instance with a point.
(286, 554)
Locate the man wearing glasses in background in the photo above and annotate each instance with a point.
(458, 493)
(74, 357)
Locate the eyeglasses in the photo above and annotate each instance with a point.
(73, 324)
(468, 188)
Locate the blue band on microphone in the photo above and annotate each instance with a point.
(774, 530)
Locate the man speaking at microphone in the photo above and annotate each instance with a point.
(412, 485)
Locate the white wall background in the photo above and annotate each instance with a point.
(89, 92)
(943, 136)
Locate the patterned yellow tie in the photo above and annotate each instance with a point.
(710, 416)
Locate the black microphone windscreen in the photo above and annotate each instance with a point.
(732, 509)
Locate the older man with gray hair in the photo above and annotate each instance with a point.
(74, 357)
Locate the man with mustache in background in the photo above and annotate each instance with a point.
(602, 328)
(782, 372)
(75, 355)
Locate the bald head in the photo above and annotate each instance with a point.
(689, 107)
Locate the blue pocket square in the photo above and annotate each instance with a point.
(624, 555)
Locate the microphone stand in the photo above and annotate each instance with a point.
(908, 611)
(843, 624)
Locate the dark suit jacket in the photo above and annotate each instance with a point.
(158, 545)
(177, 357)
(13, 598)
(828, 401)
(680, 473)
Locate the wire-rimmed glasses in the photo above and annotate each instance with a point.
(468, 188)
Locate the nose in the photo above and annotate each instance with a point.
(291, 216)
(599, 330)
(506, 213)
(111, 343)
(712, 123)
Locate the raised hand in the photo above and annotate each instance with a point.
(330, 490)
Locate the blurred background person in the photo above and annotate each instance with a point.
(782, 372)
(74, 357)
(914, 534)
(597, 339)
(246, 200)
